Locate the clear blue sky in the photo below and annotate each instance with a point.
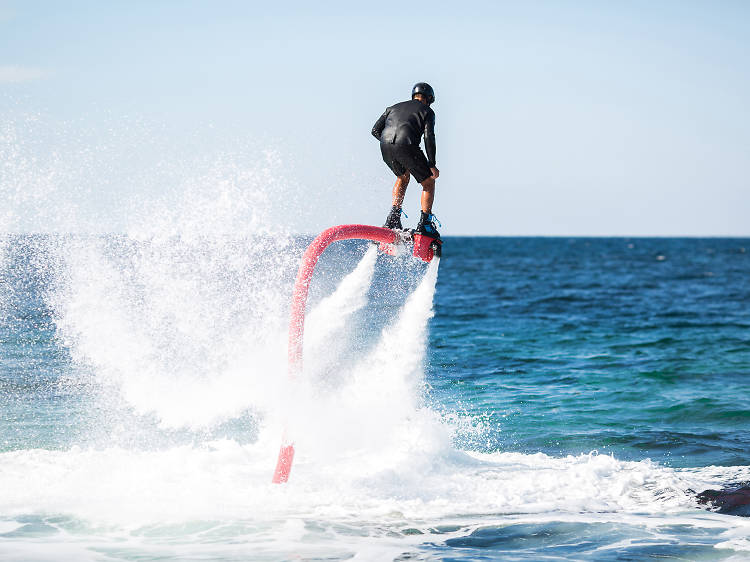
(553, 117)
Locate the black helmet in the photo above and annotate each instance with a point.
(425, 89)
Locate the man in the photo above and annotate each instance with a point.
(399, 131)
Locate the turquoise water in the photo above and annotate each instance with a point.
(523, 398)
(635, 347)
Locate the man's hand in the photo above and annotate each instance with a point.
(435, 173)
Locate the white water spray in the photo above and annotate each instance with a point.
(368, 423)
(326, 331)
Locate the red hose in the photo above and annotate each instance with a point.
(299, 301)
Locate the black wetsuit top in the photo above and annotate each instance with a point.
(405, 123)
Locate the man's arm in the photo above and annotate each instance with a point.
(377, 128)
(429, 139)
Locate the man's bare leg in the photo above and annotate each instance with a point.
(428, 195)
(399, 190)
(425, 224)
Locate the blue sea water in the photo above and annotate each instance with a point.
(635, 347)
(522, 398)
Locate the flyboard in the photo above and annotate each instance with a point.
(424, 247)
(391, 242)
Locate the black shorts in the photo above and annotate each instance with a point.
(403, 157)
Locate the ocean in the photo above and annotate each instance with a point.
(519, 399)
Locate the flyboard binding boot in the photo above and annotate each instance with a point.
(427, 242)
(393, 221)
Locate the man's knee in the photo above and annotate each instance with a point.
(429, 184)
(403, 179)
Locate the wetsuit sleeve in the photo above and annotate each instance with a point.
(377, 128)
(429, 139)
